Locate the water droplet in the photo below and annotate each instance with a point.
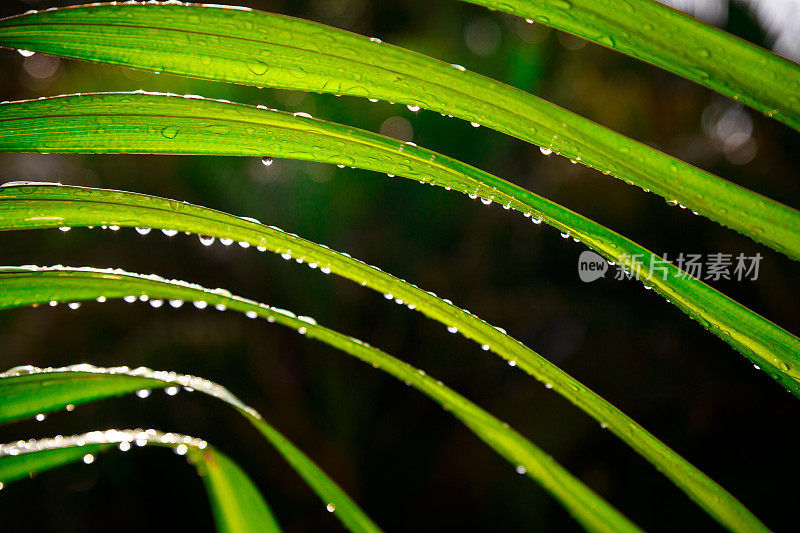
(40, 417)
(475, 124)
(171, 391)
(511, 362)
(413, 108)
(330, 507)
(458, 67)
(486, 201)
(101, 299)
(176, 303)
(521, 469)
(74, 305)
(142, 231)
(170, 132)
(124, 446)
(302, 114)
(157, 302)
(452, 329)
(169, 232)
(181, 449)
(375, 40)
(143, 393)
(225, 242)
(251, 314)
(266, 161)
(545, 151)
(485, 347)
(200, 304)
(301, 330)
(64, 228)
(244, 244)
(548, 386)
(88, 458)
(206, 240)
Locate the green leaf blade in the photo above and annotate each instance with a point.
(29, 285)
(17, 467)
(28, 390)
(667, 38)
(69, 385)
(236, 503)
(137, 123)
(26, 397)
(262, 49)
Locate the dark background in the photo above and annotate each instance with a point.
(406, 461)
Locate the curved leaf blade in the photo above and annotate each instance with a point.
(35, 285)
(262, 49)
(28, 390)
(667, 38)
(237, 505)
(24, 398)
(128, 122)
(20, 284)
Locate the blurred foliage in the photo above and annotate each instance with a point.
(354, 420)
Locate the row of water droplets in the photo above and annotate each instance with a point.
(205, 240)
(208, 240)
(486, 197)
(173, 379)
(124, 439)
(287, 255)
(202, 304)
(271, 311)
(412, 107)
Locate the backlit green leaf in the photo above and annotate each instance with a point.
(36, 285)
(262, 49)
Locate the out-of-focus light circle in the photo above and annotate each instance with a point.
(40, 66)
